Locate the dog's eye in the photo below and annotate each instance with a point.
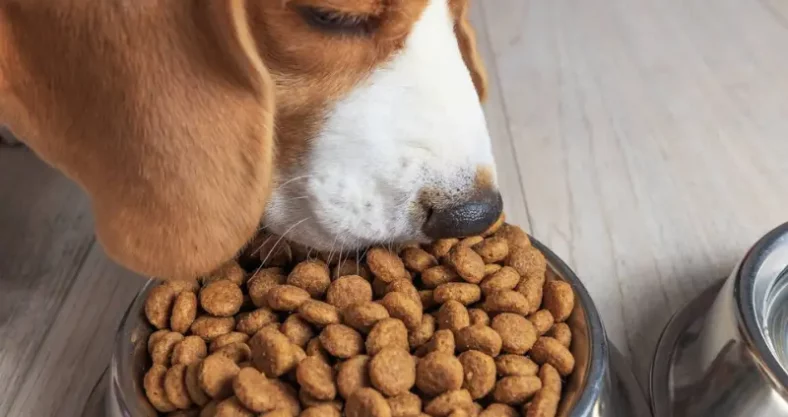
(338, 22)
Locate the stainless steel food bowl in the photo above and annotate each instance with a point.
(602, 384)
(725, 354)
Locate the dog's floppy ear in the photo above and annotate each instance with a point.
(466, 39)
(161, 110)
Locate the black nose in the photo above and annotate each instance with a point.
(467, 218)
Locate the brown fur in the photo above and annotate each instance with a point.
(164, 110)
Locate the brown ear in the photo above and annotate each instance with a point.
(466, 39)
(161, 110)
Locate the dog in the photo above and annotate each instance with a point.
(189, 122)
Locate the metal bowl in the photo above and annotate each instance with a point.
(725, 354)
(602, 384)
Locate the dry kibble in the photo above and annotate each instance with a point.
(405, 405)
(231, 407)
(438, 275)
(209, 410)
(311, 276)
(515, 237)
(286, 297)
(441, 341)
(309, 402)
(318, 313)
(210, 328)
(468, 264)
(438, 372)
(559, 299)
(192, 412)
(441, 247)
(297, 330)
(385, 265)
(180, 285)
(272, 352)
(545, 402)
(562, 333)
(184, 311)
(479, 373)
(392, 371)
(175, 387)
(499, 410)
(262, 281)
(515, 390)
(154, 389)
(353, 374)
(423, 332)
(471, 241)
(287, 397)
(549, 350)
(517, 333)
(158, 305)
(532, 289)
(505, 278)
(481, 338)
(387, 333)
(366, 402)
(404, 286)
(427, 299)
(155, 337)
(251, 322)
(230, 271)
(162, 350)
(506, 302)
(446, 403)
(189, 350)
(403, 307)
(351, 267)
(228, 339)
(542, 321)
(317, 379)
(463, 292)
(314, 348)
(279, 412)
(238, 352)
(221, 298)
(478, 316)
(348, 291)
(322, 410)
(341, 341)
(453, 316)
(527, 261)
(493, 249)
(197, 395)
(417, 259)
(363, 316)
(215, 376)
(515, 365)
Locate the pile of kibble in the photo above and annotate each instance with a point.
(458, 328)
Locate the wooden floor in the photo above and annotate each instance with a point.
(644, 141)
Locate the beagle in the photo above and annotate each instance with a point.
(191, 122)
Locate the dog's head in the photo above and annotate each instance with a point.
(337, 122)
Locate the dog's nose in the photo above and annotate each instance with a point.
(468, 218)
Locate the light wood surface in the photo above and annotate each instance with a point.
(644, 141)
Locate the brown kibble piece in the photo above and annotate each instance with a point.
(154, 388)
(286, 297)
(542, 321)
(515, 237)
(441, 247)
(287, 396)
(478, 316)
(423, 333)
(254, 391)
(504, 279)
(417, 259)
(405, 405)
(446, 403)
(438, 372)
(210, 328)
(404, 286)
(438, 275)
(515, 390)
(545, 402)
(527, 261)
(387, 333)
(481, 338)
(559, 298)
(463, 292)
(297, 330)
(506, 302)
(562, 333)
(189, 350)
(229, 271)
(403, 307)
(348, 291)
(184, 311)
(479, 370)
(385, 265)
(228, 339)
(175, 387)
(353, 374)
(158, 305)
(363, 316)
(314, 348)
(221, 298)
(180, 285)
(197, 395)
(279, 412)
(495, 226)
(262, 281)
(316, 378)
(162, 350)
(209, 410)
(531, 289)
(308, 401)
(490, 269)
(272, 352)
(216, 374)
(341, 341)
(155, 337)
(515, 365)
(238, 352)
(471, 241)
(392, 371)
(493, 249)
(312, 276)
(499, 410)
(453, 316)
(517, 333)
(251, 322)
(427, 299)
(349, 268)
(549, 350)
(366, 402)
(468, 264)
(319, 313)
(231, 407)
(322, 410)
(441, 341)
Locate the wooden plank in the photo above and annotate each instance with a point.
(45, 234)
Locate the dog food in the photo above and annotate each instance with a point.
(467, 327)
